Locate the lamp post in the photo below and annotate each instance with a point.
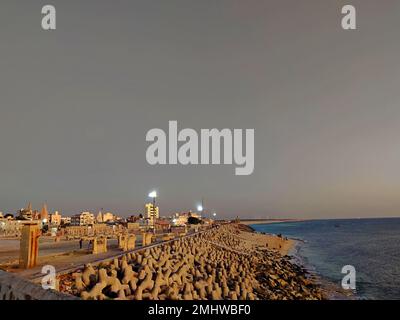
(200, 209)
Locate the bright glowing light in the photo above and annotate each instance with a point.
(153, 194)
(44, 220)
(199, 208)
(214, 214)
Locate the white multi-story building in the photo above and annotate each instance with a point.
(82, 219)
(151, 213)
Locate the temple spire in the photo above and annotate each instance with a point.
(44, 214)
(100, 217)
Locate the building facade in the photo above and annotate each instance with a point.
(55, 219)
(26, 213)
(82, 219)
(151, 213)
(65, 220)
(182, 219)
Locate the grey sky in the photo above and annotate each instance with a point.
(76, 103)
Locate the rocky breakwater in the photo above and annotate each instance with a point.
(211, 265)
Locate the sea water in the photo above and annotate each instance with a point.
(372, 246)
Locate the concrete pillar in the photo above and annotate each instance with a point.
(146, 238)
(99, 245)
(149, 238)
(29, 246)
(121, 241)
(131, 242)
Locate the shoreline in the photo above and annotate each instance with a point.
(331, 291)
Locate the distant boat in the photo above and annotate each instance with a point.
(337, 225)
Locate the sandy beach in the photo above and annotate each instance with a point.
(253, 240)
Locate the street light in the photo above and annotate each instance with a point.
(153, 194)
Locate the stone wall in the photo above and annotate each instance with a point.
(13, 287)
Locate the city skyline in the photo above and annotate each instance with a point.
(76, 104)
(43, 206)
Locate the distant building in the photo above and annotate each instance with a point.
(29, 214)
(151, 213)
(105, 217)
(26, 213)
(82, 219)
(108, 217)
(55, 219)
(133, 218)
(65, 220)
(181, 219)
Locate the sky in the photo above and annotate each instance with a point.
(76, 104)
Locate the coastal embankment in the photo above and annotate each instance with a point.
(229, 261)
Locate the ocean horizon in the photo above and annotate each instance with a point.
(371, 245)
